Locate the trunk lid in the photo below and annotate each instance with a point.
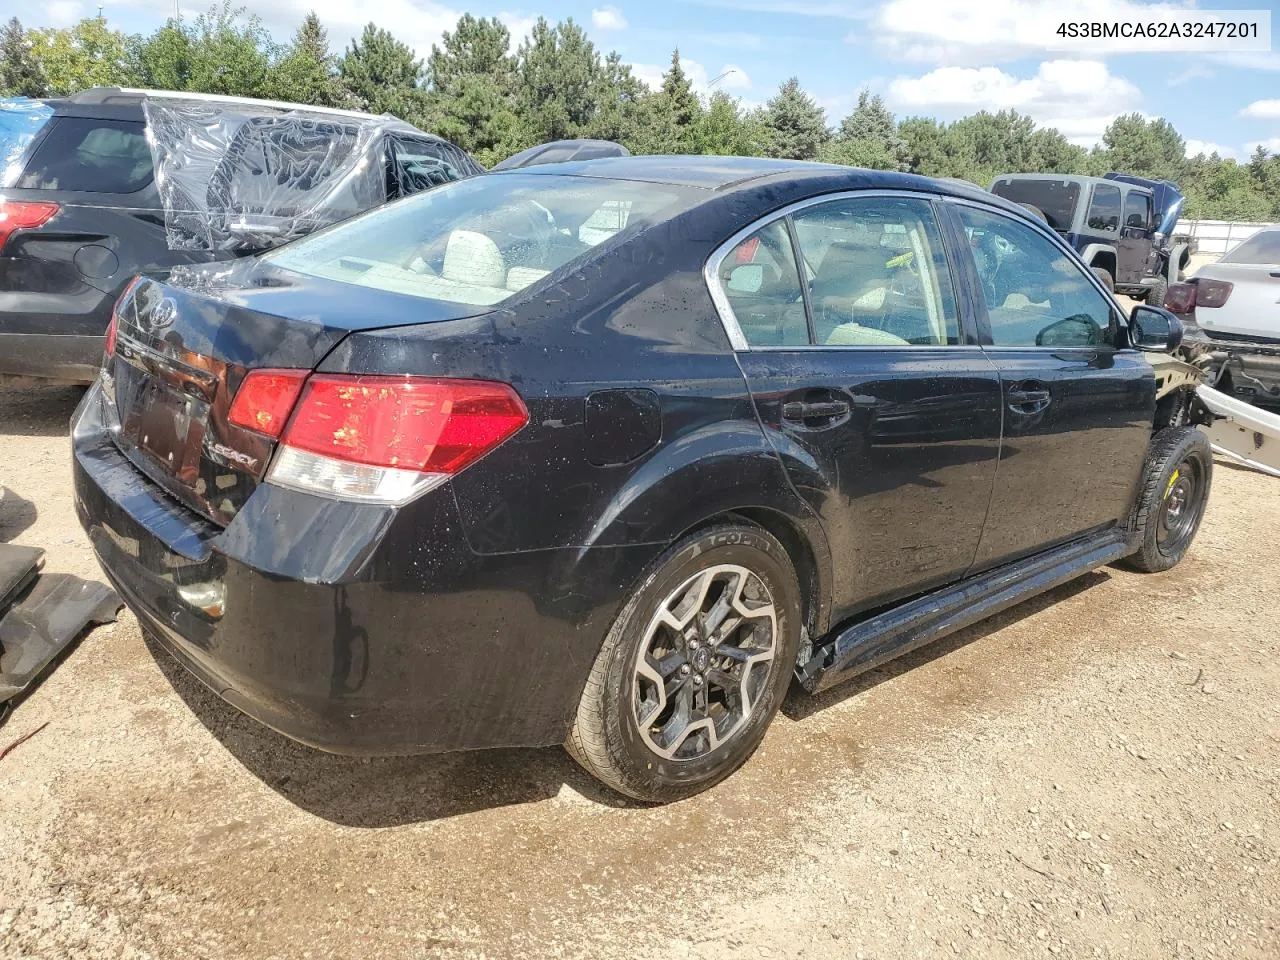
(1252, 309)
(184, 347)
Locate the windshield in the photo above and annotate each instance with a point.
(1263, 247)
(1056, 199)
(482, 240)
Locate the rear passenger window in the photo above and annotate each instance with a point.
(1036, 295)
(762, 283)
(95, 156)
(1104, 208)
(877, 273)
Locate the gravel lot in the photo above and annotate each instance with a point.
(1094, 773)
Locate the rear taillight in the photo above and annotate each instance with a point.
(1212, 293)
(110, 345)
(265, 400)
(23, 215)
(114, 326)
(389, 439)
(1180, 298)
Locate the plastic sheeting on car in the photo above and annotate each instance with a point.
(20, 120)
(243, 181)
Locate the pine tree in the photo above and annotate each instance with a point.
(313, 40)
(471, 83)
(19, 72)
(308, 71)
(868, 137)
(797, 125)
(560, 73)
(383, 74)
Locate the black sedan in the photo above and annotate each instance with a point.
(605, 453)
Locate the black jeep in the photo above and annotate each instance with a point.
(1121, 225)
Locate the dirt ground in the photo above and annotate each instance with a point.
(1094, 773)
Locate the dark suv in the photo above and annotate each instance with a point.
(81, 213)
(607, 453)
(1119, 224)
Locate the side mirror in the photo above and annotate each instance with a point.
(1154, 329)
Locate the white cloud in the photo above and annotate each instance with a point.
(1197, 147)
(728, 77)
(64, 13)
(1078, 97)
(733, 77)
(608, 18)
(1271, 146)
(1193, 72)
(1263, 109)
(956, 32)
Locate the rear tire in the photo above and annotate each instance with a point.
(1105, 276)
(1175, 490)
(1156, 292)
(679, 696)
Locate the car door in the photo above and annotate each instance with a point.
(883, 409)
(1078, 401)
(1134, 245)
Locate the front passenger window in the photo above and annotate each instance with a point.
(1036, 295)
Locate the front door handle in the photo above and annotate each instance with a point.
(813, 413)
(1028, 398)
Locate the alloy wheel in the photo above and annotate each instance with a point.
(705, 662)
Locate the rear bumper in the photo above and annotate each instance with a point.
(353, 629)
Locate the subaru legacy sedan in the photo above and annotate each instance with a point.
(610, 453)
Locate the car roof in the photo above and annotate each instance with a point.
(724, 173)
(134, 96)
(1073, 178)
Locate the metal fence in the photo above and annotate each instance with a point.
(1219, 236)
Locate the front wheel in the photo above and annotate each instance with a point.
(1172, 500)
(693, 669)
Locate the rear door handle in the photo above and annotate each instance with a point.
(1028, 398)
(808, 411)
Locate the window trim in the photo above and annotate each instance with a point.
(728, 320)
(1037, 226)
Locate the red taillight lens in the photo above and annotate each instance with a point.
(114, 326)
(1212, 293)
(111, 336)
(405, 423)
(265, 399)
(1180, 298)
(23, 215)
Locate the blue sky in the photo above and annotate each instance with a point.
(942, 58)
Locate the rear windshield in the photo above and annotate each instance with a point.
(1263, 247)
(95, 156)
(482, 240)
(1056, 199)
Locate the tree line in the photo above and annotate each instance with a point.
(493, 100)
